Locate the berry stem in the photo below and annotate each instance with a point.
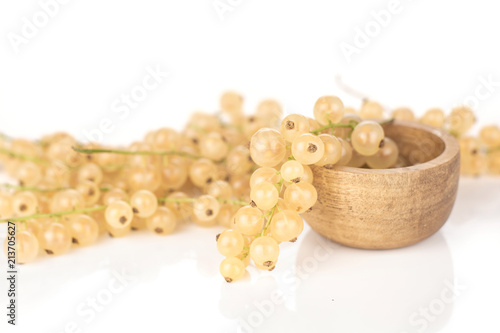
(271, 214)
(352, 124)
(179, 200)
(332, 125)
(198, 129)
(69, 212)
(21, 156)
(127, 152)
(42, 190)
(234, 202)
(246, 253)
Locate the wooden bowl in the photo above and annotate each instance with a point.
(390, 208)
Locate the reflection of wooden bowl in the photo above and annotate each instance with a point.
(390, 208)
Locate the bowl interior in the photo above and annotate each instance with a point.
(415, 145)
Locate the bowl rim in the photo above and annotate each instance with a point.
(450, 152)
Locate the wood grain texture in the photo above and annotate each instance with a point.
(390, 208)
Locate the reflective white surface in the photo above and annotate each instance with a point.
(447, 283)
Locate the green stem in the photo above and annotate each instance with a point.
(234, 202)
(127, 152)
(352, 124)
(332, 125)
(271, 214)
(21, 156)
(69, 212)
(246, 253)
(179, 200)
(42, 190)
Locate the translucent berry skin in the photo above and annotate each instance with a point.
(66, 200)
(460, 120)
(5, 205)
(225, 216)
(357, 160)
(265, 195)
(55, 239)
(300, 197)
(239, 161)
(90, 172)
(118, 232)
(90, 192)
(57, 174)
(469, 146)
(162, 222)
(26, 247)
(249, 220)
(386, 157)
(220, 190)
(165, 139)
(264, 251)
(232, 269)
(308, 148)
(174, 174)
(266, 174)
(328, 109)
(144, 203)
(213, 146)
(203, 172)
(346, 155)
(231, 102)
(292, 171)
(403, 113)
(28, 173)
(270, 111)
(267, 147)
(434, 117)
(333, 150)
(367, 137)
(371, 110)
(494, 162)
(294, 125)
(114, 195)
(24, 203)
(205, 209)
(286, 225)
(490, 136)
(182, 210)
(119, 215)
(144, 178)
(230, 243)
(84, 230)
(308, 176)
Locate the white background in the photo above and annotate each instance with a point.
(69, 73)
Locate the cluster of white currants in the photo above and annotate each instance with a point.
(250, 174)
(282, 189)
(70, 193)
(479, 155)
